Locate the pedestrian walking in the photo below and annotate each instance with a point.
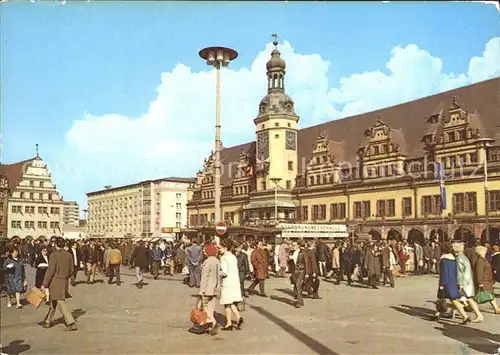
(56, 283)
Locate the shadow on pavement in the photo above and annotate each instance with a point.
(16, 347)
(285, 291)
(476, 339)
(283, 300)
(314, 345)
(420, 312)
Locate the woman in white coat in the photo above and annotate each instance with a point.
(231, 290)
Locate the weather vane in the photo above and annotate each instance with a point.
(275, 42)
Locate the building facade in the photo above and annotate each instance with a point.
(152, 208)
(71, 214)
(4, 201)
(34, 208)
(375, 172)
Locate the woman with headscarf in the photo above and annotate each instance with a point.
(484, 277)
(15, 277)
(448, 282)
(231, 290)
(210, 286)
(465, 279)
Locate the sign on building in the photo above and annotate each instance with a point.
(331, 231)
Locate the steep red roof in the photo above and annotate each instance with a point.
(408, 121)
(14, 172)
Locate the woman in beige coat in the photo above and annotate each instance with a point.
(210, 286)
(484, 275)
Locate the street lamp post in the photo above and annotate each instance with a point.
(486, 143)
(276, 181)
(218, 57)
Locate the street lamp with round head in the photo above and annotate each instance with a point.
(218, 56)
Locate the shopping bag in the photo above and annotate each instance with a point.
(36, 297)
(484, 297)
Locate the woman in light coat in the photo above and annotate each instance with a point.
(210, 286)
(465, 279)
(231, 290)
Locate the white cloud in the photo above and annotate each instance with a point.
(175, 133)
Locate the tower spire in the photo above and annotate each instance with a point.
(37, 152)
(275, 69)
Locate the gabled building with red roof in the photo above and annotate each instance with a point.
(375, 172)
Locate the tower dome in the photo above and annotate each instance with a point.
(276, 62)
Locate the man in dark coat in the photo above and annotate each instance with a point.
(323, 256)
(243, 267)
(301, 266)
(56, 282)
(311, 283)
(386, 264)
(194, 254)
(140, 258)
(372, 265)
(346, 264)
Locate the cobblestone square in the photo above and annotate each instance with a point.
(155, 319)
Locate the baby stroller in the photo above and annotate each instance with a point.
(185, 274)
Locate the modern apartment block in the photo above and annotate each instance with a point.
(148, 208)
(34, 206)
(71, 214)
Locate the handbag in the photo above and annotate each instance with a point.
(484, 297)
(441, 304)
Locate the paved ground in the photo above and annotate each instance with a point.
(348, 320)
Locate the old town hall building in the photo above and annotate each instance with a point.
(375, 172)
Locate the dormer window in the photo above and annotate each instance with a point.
(461, 134)
(375, 150)
(318, 160)
(451, 136)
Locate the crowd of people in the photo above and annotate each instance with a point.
(467, 273)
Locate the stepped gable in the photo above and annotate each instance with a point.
(410, 118)
(14, 172)
(408, 121)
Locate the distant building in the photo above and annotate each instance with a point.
(4, 201)
(34, 207)
(71, 214)
(152, 208)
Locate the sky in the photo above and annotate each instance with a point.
(115, 92)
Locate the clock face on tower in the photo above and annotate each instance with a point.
(291, 140)
(263, 145)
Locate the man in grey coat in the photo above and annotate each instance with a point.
(194, 255)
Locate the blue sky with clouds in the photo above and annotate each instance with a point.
(114, 92)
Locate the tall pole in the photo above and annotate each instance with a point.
(486, 193)
(218, 216)
(276, 204)
(218, 57)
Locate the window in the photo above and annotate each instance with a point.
(29, 209)
(462, 159)
(276, 136)
(302, 213)
(289, 125)
(55, 225)
(32, 195)
(55, 210)
(263, 185)
(290, 165)
(42, 224)
(337, 211)
(322, 212)
(178, 215)
(494, 155)
(41, 183)
(288, 184)
(431, 204)
(311, 180)
(407, 207)
(32, 183)
(21, 195)
(362, 209)
(178, 224)
(464, 202)
(473, 157)
(369, 172)
(494, 199)
(276, 124)
(386, 208)
(177, 196)
(212, 216)
(315, 214)
(42, 210)
(375, 150)
(178, 205)
(451, 136)
(461, 134)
